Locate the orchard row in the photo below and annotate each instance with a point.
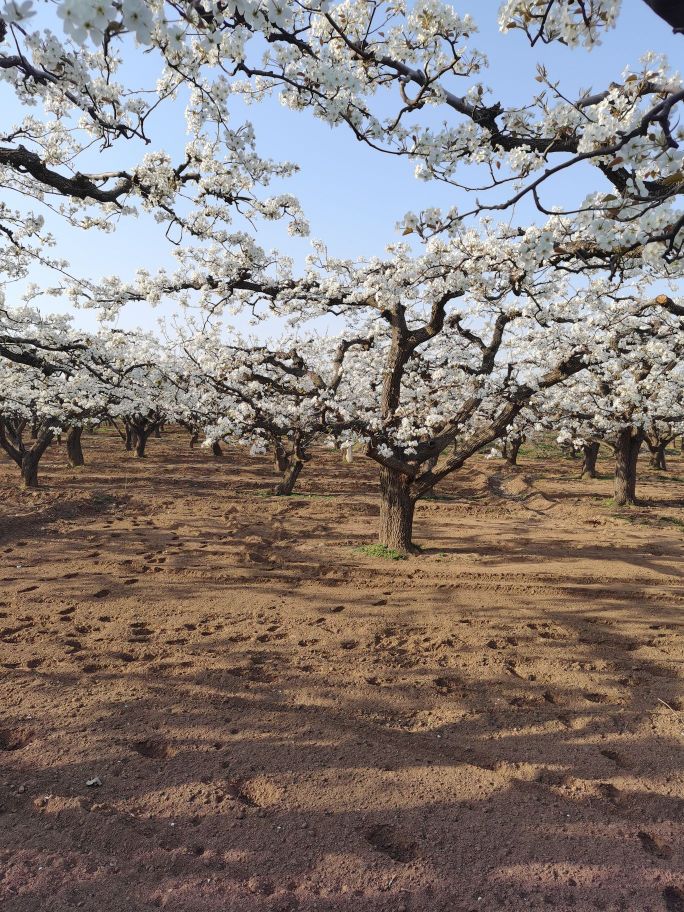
(559, 314)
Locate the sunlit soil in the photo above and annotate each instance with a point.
(270, 719)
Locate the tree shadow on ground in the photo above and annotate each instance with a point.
(279, 724)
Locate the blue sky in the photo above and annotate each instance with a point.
(352, 195)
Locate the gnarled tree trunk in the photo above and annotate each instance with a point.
(29, 468)
(140, 443)
(397, 507)
(511, 450)
(27, 458)
(74, 449)
(591, 451)
(658, 456)
(286, 486)
(130, 437)
(281, 460)
(627, 446)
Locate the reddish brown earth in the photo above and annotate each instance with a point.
(281, 723)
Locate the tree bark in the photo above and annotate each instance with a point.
(281, 460)
(216, 449)
(74, 449)
(658, 457)
(591, 451)
(286, 486)
(627, 446)
(511, 450)
(130, 438)
(194, 439)
(27, 458)
(140, 443)
(396, 511)
(29, 468)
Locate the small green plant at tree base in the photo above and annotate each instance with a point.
(379, 550)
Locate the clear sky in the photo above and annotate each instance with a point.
(352, 195)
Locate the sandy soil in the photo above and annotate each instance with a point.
(281, 723)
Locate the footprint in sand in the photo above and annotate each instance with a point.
(124, 657)
(13, 739)
(610, 792)
(153, 749)
(388, 840)
(617, 758)
(654, 846)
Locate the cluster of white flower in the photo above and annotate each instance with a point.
(439, 353)
(574, 22)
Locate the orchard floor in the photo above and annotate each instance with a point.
(278, 722)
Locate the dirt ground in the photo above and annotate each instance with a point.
(275, 721)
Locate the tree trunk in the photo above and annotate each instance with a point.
(511, 451)
(29, 468)
(396, 511)
(130, 438)
(286, 486)
(140, 443)
(591, 451)
(627, 446)
(216, 449)
(74, 449)
(658, 457)
(194, 439)
(157, 432)
(281, 460)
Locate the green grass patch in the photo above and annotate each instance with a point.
(381, 551)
